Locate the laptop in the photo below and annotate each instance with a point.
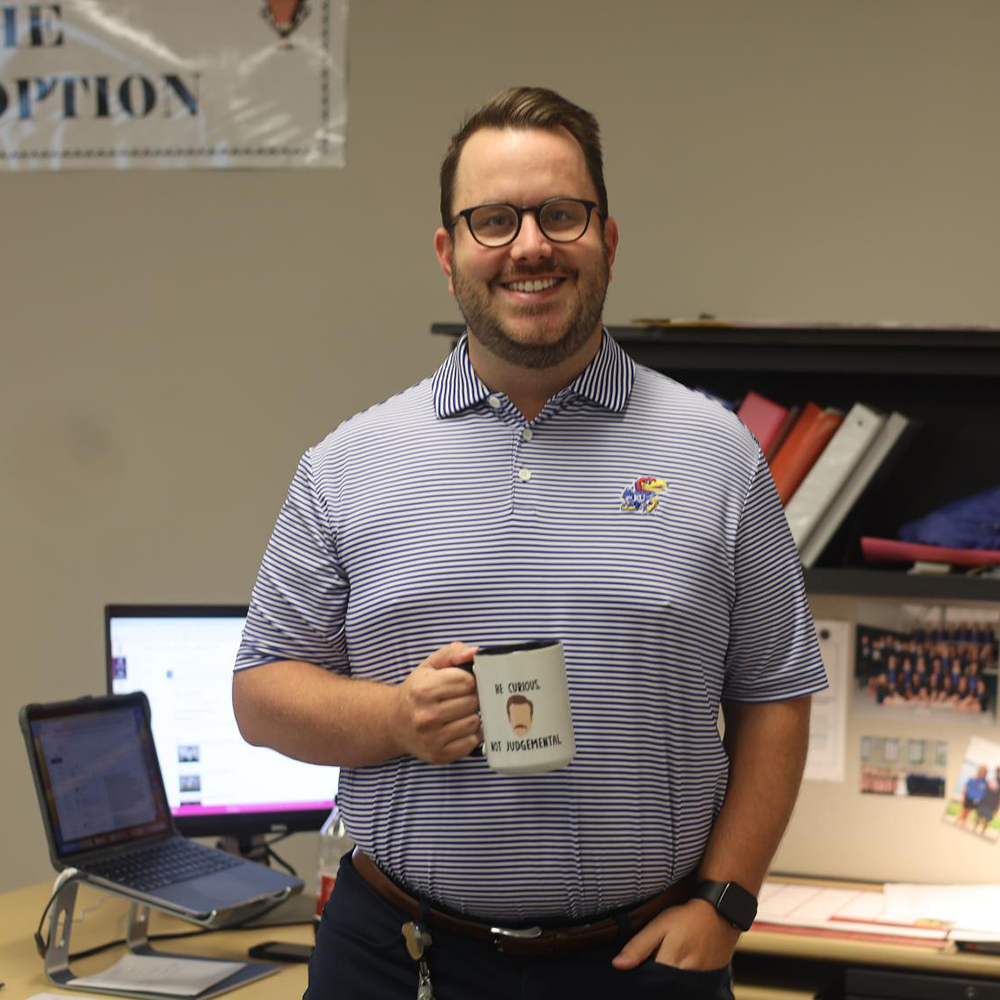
(105, 812)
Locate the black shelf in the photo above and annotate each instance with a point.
(946, 379)
(862, 582)
(961, 351)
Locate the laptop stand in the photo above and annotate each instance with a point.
(137, 938)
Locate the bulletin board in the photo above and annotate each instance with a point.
(902, 773)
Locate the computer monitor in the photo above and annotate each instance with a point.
(217, 784)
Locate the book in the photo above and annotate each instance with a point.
(877, 456)
(803, 445)
(892, 550)
(763, 417)
(830, 471)
(786, 425)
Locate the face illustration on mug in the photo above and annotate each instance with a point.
(524, 705)
(519, 714)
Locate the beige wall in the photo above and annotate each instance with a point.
(172, 341)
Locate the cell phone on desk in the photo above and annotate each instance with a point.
(282, 951)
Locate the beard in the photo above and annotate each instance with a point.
(552, 341)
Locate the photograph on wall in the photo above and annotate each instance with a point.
(927, 660)
(904, 768)
(974, 802)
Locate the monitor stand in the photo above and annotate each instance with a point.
(297, 909)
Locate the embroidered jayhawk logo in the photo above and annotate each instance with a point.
(641, 497)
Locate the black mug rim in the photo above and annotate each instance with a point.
(505, 649)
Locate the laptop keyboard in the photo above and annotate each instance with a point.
(162, 864)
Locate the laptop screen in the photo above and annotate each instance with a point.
(98, 774)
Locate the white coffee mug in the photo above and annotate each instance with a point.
(524, 705)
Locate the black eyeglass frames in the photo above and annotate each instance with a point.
(561, 220)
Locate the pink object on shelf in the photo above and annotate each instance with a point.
(891, 550)
(763, 416)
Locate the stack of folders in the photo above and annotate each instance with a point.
(822, 460)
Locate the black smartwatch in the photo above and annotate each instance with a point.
(731, 901)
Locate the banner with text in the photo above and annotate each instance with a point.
(124, 84)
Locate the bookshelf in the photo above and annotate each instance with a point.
(947, 378)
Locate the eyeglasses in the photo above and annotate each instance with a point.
(561, 220)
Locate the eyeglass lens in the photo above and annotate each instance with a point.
(561, 220)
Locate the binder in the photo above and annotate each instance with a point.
(804, 444)
(763, 417)
(876, 456)
(786, 425)
(834, 465)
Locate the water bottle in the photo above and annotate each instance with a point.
(334, 843)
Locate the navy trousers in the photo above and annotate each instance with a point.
(361, 955)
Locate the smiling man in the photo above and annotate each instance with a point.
(532, 283)
(554, 489)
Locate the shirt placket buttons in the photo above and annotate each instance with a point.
(524, 474)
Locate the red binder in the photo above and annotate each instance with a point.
(804, 444)
(763, 416)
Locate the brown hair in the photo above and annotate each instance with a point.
(523, 108)
(519, 699)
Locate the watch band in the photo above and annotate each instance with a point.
(731, 901)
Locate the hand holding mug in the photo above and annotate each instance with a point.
(437, 708)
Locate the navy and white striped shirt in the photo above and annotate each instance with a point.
(441, 515)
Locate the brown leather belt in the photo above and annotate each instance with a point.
(527, 942)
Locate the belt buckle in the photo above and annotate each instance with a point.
(519, 934)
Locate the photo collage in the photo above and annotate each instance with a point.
(928, 667)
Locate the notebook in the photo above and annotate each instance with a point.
(105, 812)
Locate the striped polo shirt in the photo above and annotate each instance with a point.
(441, 515)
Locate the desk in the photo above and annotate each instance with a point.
(769, 965)
(105, 919)
(776, 966)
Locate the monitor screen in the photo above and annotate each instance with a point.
(217, 784)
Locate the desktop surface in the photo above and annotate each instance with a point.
(769, 965)
(105, 919)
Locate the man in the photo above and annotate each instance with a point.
(988, 806)
(508, 522)
(975, 788)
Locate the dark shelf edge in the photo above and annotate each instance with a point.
(897, 584)
(931, 352)
(951, 338)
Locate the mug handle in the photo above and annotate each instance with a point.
(479, 751)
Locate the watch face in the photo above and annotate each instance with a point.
(737, 906)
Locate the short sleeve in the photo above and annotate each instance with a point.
(773, 650)
(299, 601)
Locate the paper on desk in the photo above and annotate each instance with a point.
(60, 996)
(964, 907)
(161, 974)
(845, 911)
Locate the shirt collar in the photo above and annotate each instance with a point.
(606, 381)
